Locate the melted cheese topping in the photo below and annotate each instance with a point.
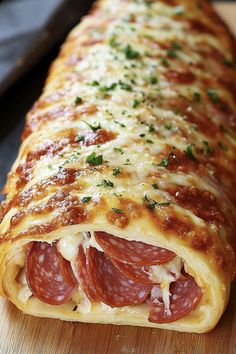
(139, 108)
(164, 274)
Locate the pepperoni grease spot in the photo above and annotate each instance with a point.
(49, 275)
(132, 252)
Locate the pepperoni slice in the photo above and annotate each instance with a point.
(114, 288)
(185, 295)
(133, 271)
(87, 285)
(49, 276)
(132, 252)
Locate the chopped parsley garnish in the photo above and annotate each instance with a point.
(94, 128)
(176, 110)
(213, 95)
(116, 171)
(196, 97)
(117, 211)
(75, 308)
(149, 141)
(92, 159)
(120, 150)
(136, 103)
(113, 42)
(189, 152)
(130, 53)
(169, 126)
(176, 46)
(86, 199)
(152, 204)
(127, 162)
(153, 80)
(142, 135)
(80, 138)
(78, 100)
(106, 183)
(171, 53)
(164, 163)
(108, 88)
(94, 83)
(223, 146)
(125, 86)
(120, 124)
(151, 128)
(155, 186)
(164, 61)
(228, 62)
(209, 149)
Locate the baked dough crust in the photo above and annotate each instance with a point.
(131, 87)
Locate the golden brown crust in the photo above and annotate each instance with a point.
(138, 114)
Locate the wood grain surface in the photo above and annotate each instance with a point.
(22, 334)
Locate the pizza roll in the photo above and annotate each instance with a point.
(120, 207)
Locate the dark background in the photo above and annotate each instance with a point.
(19, 97)
(26, 85)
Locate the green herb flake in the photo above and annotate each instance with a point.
(104, 89)
(165, 62)
(153, 80)
(80, 138)
(152, 204)
(164, 163)
(92, 159)
(189, 152)
(222, 146)
(228, 62)
(151, 128)
(208, 148)
(169, 126)
(176, 111)
(86, 199)
(94, 83)
(116, 171)
(125, 86)
(149, 141)
(142, 135)
(136, 103)
(120, 150)
(171, 53)
(117, 211)
(120, 124)
(78, 100)
(213, 95)
(113, 42)
(196, 97)
(155, 186)
(130, 53)
(106, 183)
(176, 46)
(94, 128)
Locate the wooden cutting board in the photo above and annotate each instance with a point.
(22, 334)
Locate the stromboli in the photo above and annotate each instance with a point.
(119, 142)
